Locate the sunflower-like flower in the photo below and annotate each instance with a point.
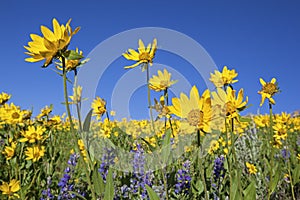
(33, 134)
(52, 44)
(228, 103)
(9, 151)
(45, 112)
(226, 77)
(35, 153)
(162, 81)
(196, 110)
(99, 107)
(143, 56)
(161, 108)
(268, 90)
(10, 188)
(76, 98)
(72, 64)
(4, 97)
(251, 168)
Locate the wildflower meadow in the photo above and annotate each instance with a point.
(197, 145)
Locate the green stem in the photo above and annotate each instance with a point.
(165, 184)
(200, 164)
(78, 104)
(149, 97)
(72, 128)
(272, 150)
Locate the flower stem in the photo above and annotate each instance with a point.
(272, 151)
(72, 127)
(200, 164)
(149, 97)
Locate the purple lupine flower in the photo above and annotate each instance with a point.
(140, 178)
(46, 194)
(285, 154)
(65, 182)
(107, 159)
(218, 174)
(183, 179)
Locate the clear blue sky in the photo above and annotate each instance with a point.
(257, 38)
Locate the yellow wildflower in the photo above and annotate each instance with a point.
(196, 110)
(10, 188)
(4, 98)
(225, 78)
(35, 153)
(143, 56)
(161, 82)
(268, 90)
(251, 168)
(99, 107)
(9, 151)
(52, 44)
(32, 134)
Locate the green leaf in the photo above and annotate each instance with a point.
(244, 119)
(275, 178)
(98, 182)
(250, 191)
(72, 55)
(109, 187)
(296, 174)
(234, 187)
(166, 147)
(87, 121)
(198, 187)
(152, 195)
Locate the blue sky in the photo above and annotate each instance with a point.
(256, 38)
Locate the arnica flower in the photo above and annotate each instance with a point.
(72, 64)
(161, 108)
(4, 97)
(76, 98)
(9, 151)
(224, 78)
(99, 107)
(161, 82)
(33, 134)
(280, 131)
(196, 110)
(10, 188)
(262, 120)
(35, 153)
(82, 149)
(143, 56)
(52, 44)
(230, 105)
(45, 112)
(251, 168)
(214, 146)
(268, 90)
(11, 114)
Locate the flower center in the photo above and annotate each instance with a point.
(229, 108)
(15, 115)
(269, 88)
(145, 56)
(195, 117)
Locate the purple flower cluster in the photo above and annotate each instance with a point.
(183, 179)
(218, 171)
(108, 159)
(285, 154)
(65, 182)
(140, 178)
(46, 194)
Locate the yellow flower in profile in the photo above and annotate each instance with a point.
(230, 104)
(214, 146)
(9, 151)
(161, 82)
(10, 188)
(161, 108)
(82, 149)
(45, 112)
(4, 97)
(52, 44)
(196, 110)
(251, 168)
(76, 98)
(143, 56)
(298, 156)
(268, 90)
(33, 134)
(99, 107)
(224, 78)
(72, 64)
(35, 153)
